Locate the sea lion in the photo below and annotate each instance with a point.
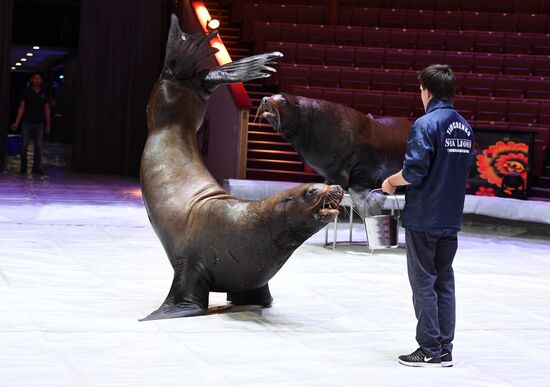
(214, 241)
(343, 145)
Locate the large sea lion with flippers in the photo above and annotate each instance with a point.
(345, 146)
(214, 241)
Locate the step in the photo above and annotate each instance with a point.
(540, 192)
(269, 145)
(269, 174)
(544, 181)
(272, 154)
(264, 136)
(278, 165)
(260, 127)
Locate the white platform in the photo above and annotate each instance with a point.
(503, 208)
(75, 277)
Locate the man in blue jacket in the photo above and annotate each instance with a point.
(440, 150)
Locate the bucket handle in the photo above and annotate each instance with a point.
(394, 196)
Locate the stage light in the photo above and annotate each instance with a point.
(18, 64)
(13, 68)
(30, 54)
(213, 24)
(36, 47)
(23, 59)
(61, 76)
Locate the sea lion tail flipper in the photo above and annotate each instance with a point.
(184, 53)
(242, 70)
(188, 297)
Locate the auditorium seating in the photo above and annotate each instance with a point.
(487, 85)
(361, 56)
(499, 50)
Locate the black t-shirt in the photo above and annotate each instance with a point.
(34, 106)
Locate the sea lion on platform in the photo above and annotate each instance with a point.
(343, 145)
(214, 241)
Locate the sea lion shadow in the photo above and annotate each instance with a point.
(256, 316)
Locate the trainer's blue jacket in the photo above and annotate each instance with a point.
(440, 150)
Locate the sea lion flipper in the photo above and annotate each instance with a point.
(184, 53)
(188, 297)
(242, 70)
(260, 296)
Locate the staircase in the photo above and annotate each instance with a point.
(269, 157)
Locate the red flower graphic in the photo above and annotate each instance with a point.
(485, 191)
(501, 159)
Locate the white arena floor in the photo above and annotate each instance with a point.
(80, 264)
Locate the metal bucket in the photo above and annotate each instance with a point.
(382, 230)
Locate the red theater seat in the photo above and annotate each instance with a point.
(311, 14)
(420, 19)
(495, 6)
(410, 82)
(309, 92)
(310, 54)
(296, 33)
(403, 38)
(425, 58)
(523, 111)
(348, 35)
(392, 18)
(476, 21)
(459, 62)
(398, 59)
(532, 23)
(369, 57)
(479, 84)
(324, 76)
(510, 87)
(355, 78)
(489, 42)
(544, 114)
(386, 80)
(488, 63)
(364, 17)
(368, 102)
(460, 41)
(541, 44)
(491, 109)
(376, 37)
(541, 66)
(282, 13)
(342, 96)
(431, 40)
(504, 22)
(399, 105)
(466, 106)
(518, 64)
(321, 34)
(340, 55)
(448, 20)
(526, 6)
(288, 50)
(538, 87)
(518, 43)
(293, 74)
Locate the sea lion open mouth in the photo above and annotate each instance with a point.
(330, 200)
(270, 113)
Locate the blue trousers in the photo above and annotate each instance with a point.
(37, 133)
(430, 257)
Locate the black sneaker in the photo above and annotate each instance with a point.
(446, 359)
(419, 359)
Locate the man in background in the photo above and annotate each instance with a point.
(34, 116)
